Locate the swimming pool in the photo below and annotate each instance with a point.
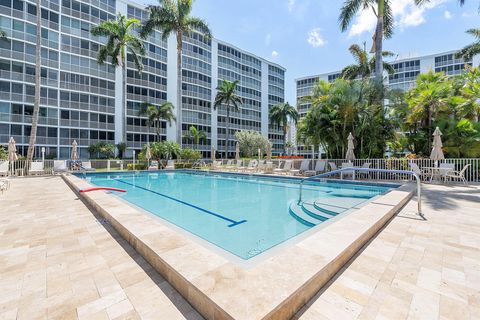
(242, 214)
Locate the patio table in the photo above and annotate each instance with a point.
(436, 173)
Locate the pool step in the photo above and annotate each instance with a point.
(313, 212)
(296, 210)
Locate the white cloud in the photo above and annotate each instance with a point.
(448, 15)
(274, 54)
(405, 12)
(268, 39)
(291, 5)
(315, 38)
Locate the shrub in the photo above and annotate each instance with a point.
(250, 142)
(137, 166)
(3, 153)
(183, 165)
(190, 154)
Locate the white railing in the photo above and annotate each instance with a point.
(20, 167)
(471, 175)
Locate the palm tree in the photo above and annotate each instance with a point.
(156, 114)
(121, 40)
(173, 16)
(365, 65)
(228, 97)
(384, 29)
(462, 2)
(121, 147)
(3, 35)
(473, 49)
(280, 114)
(196, 135)
(38, 70)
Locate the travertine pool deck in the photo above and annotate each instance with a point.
(58, 261)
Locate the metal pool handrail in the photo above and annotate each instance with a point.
(417, 177)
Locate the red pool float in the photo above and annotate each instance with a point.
(101, 188)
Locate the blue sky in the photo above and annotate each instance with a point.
(304, 36)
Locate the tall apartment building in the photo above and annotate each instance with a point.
(406, 72)
(81, 99)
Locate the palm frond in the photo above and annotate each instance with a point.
(388, 22)
(348, 11)
(199, 25)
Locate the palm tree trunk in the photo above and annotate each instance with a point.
(157, 129)
(227, 136)
(38, 70)
(124, 99)
(379, 43)
(285, 139)
(179, 88)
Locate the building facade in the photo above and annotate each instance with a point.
(406, 72)
(81, 100)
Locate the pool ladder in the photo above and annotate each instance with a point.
(368, 170)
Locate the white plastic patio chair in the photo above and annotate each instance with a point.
(4, 185)
(347, 173)
(87, 166)
(36, 167)
(170, 165)
(59, 166)
(444, 169)
(287, 167)
(252, 165)
(458, 175)
(4, 168)
(366, 165)
(422, 174)
(319, 168)
(304, 166)
(239, 166)
(153, 165)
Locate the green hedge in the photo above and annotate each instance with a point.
(138, 166)
(183, 165)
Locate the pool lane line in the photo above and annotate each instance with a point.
(233, 223)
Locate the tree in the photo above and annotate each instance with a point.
(471, 50)
(102, 150)
(227, 97)
(196, 135)
(280, 114)
(190, 154)
(165, 150)
(38, 69)
(250, 141)
(426, 100)
(342, 107)
(384, 28)
(364, 66)
(3, 153)
(121, 40)
(173, 17)
(157, 113)
(121, 147)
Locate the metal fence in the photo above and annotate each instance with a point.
(22, 168)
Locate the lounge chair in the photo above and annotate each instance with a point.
(252, 165)
(59, 166)
(153, 166)
(261, 166)
(228, 165)
(287, 167)
(87, 166)
(458, 175)
(319, 168)
(36, 167)
(304, 166)
(170, 165)
(239, 166)
(4, 168)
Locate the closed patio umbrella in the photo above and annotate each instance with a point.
(437, 152)
(350, 156)
(269, 152)
(148, 153)
(237, 151)
(12, 150)
(74, 154)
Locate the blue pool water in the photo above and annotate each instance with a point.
(245, 215)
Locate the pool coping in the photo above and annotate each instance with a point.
(276, 288)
